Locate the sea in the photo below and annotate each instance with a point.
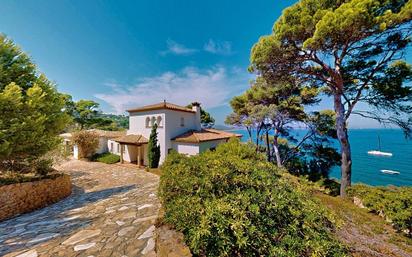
(367, 168)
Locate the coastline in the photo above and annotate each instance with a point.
(367, 168)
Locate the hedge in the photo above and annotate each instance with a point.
(231, 202)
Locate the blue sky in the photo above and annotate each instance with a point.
(132, 53)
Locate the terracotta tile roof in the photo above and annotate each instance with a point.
(162, 105)
(107, 133)
(100, 133)
(132, 139)
(194, 136)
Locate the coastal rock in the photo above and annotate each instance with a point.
(358, 202)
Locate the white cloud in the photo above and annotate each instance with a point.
(177, 49)
(218, 47)
(212, 88)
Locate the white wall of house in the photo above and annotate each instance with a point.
(76, 152)
(186, 148)
(113, 147)
(176, 127)
(130, 153)
(178, 122)
(138, 126)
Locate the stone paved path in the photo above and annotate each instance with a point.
(111, 213)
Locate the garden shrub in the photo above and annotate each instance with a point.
(11, 177)
(86, 141)
(231, 202)
(43, 166)
(107, 158)
(395, 203)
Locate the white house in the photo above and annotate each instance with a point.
(179, 128)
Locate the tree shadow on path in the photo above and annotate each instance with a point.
(57, 220)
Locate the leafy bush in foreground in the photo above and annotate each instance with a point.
(107, 158)
(395, 203)
(231, 202)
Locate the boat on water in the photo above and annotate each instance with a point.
(392, 172)
(379, 152)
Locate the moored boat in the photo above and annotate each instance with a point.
(379, 153)
(392, 172)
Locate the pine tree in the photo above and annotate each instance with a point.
(354, 52)
(31, 116)
(153, 148)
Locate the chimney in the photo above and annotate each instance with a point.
(196, 108)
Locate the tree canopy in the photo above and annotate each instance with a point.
(31, 110)
(353, 51)
(272, 110)
(205, 118)
(87, 115)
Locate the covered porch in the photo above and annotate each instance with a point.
(133, 149)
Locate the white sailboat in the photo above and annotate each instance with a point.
(379, 152)
(392, 172)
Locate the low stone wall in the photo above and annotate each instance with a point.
(20, 198)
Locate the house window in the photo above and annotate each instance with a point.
(153, 121)
(182, 122)
(159, 121)
(118, 148)
(147, 122)
(111, 147)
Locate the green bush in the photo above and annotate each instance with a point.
(43, 166)
(395, 203)
(107, 158)
(231, 202)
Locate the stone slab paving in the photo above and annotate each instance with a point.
(111, 213)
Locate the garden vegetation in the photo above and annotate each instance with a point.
(232, 202)
(393, 203)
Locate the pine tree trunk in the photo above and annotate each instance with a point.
(342, 133)
(276, 150)
(249, 131)
(267, 145)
